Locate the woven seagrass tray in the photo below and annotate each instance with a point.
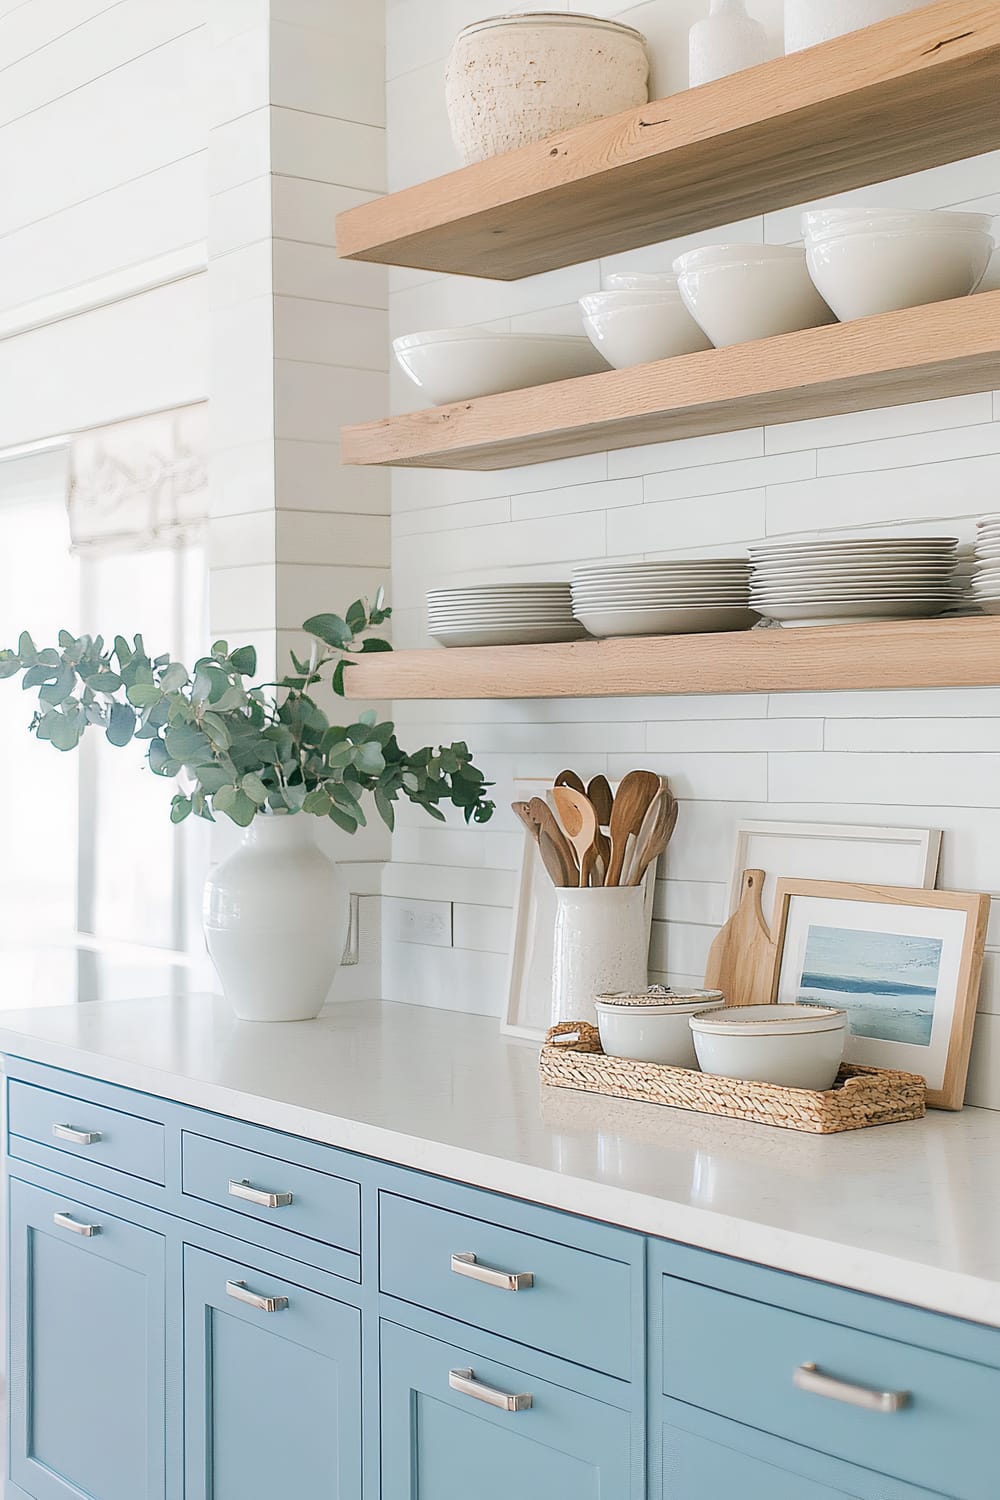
(572, 1059)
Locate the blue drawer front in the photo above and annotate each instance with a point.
(736, 1356)
(125, 1142)
(579, 1306)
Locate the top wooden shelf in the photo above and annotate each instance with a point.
(914, 92)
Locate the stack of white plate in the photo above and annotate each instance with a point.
(502, 614)
(986, 574)
(866, 578)
(685, 597)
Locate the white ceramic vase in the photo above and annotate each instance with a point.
(601, 947)
(809, 22)
(726, 41)
(516, 79)
(276, 918)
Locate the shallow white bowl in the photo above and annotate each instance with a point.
(835, 612)
(732, 254)
(507, 635)
(869, 272)
(817, 222)
(688, 619)
(478, 363)
(637, 333)
(654, 1033)
(782, 1044)
(737, 301)
(641, 281)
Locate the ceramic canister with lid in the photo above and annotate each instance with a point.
(797, 1046)
(515, 79)
(653, 1025)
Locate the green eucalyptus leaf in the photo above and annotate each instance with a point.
(188, 745)
(317, 802)
(374, 643)
(337, 679)
(225, 797)
(26, 649)
(121, 724)
(356, 616)
(242, 810)
(254, 788)
(330, 629)
(369, 758)
(244, 661)
(143, 695)
(180, 808)
(66, 730)
(174, 677)
(342, 819)
(385, 808)
(104, 682)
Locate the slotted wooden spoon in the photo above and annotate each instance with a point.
(631, 803)
(579, 820)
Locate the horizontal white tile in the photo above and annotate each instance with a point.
(679, 947)
(305, 536)
(487, 929)
(307, 210)
(451, 517)
(699, 776)
(314, 271)
(484, 887)
(328, 150)
(310, 476)
(906, 735)
(242, 541)
(687, 523)
(330, 333)
(551, 541)
(318, 72)
(723, 734)
(444, 978)
(919, 778)
(310, 589)
(903, 703)
(931, 491)
(718, 478)
(572, 499)
(700, 901)
(414, 489)
(687, 453)
(242, 599)
(312, 401)
(914, 448)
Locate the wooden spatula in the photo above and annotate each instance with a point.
(570, 778)
(653, 837)
(556, 854)
(632, 800)
(600, 794)
(741, 960)
(579, 821)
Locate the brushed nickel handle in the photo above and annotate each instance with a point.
(242, 1293)
(466, 1264)
(78, 1137)
(465, 1383)
(242, 1189)
(809, 1377)
(66, 1221)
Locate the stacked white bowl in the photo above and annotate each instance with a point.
(457, 364)
(875, 260)
(640, 317)
(986, 574)
(738, 293)
(502, 614)
(683, 597)
(837, 580)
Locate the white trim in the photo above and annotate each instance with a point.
(128, 281)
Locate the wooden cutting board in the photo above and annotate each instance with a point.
(741, 960)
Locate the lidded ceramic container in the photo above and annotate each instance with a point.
(653, 1025)
(798, 1046)
(515, 79)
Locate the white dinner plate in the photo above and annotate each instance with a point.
(816, 612)
(509, 635)
(691, 620)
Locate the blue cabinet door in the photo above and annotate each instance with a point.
(87, 1410)
(443, 1443)
(272, 1387)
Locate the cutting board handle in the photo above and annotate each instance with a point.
(742, 957)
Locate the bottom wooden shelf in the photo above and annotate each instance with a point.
(891, 654)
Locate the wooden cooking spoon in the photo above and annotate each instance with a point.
(600, 794)
(557, 858)
(579, 821)
(632, 800)
(654, 835)
(570, 778)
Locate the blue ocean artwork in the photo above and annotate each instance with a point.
(886, 981)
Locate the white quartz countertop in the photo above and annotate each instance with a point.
(908, 1211)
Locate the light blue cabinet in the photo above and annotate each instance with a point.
(86, 1308)
(272, 1377)
(203, 1309)
(456, 1425)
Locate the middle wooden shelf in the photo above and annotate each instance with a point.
(919, 354)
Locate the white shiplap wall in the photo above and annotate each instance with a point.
(926, 759)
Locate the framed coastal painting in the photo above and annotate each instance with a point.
(832, 851)
(905, 965)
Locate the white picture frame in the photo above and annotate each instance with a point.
(528, 1008)
(832, 851)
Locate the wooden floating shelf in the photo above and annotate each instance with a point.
(893, 654)
(913, 92)
(945, 349)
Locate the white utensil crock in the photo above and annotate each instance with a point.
(809, 22)
(516, 79)
(601, 946)
(276, 920)
(726, 41)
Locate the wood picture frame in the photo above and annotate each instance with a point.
(937, 937)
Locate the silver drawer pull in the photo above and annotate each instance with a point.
(463, 1382)
(242, 1293)
(466, 1264)
(809, 1378)
(242, 1189)
(78, 1137)
(66, 1221)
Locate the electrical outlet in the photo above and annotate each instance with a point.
(428, 922)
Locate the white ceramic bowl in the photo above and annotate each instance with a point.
(684, 619)
(865, 272)
(739, 300)
(458, 364)
(650, 1030)
(641, 281)
(635, 328)
(798, 1046)
(819, 222)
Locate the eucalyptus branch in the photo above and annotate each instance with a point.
(247, 749)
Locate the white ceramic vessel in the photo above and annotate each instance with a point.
(457, 364)
(686, 619)
(636, 327)
(276, 918)
(601, 945)
(740, 293)
(810, 22)
(653, 1026)
(516, 79)
(863, 269)
(726, 41)
(798, 1046)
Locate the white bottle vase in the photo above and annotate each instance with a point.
(276, 919)
(601, 946)
(727, 41)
